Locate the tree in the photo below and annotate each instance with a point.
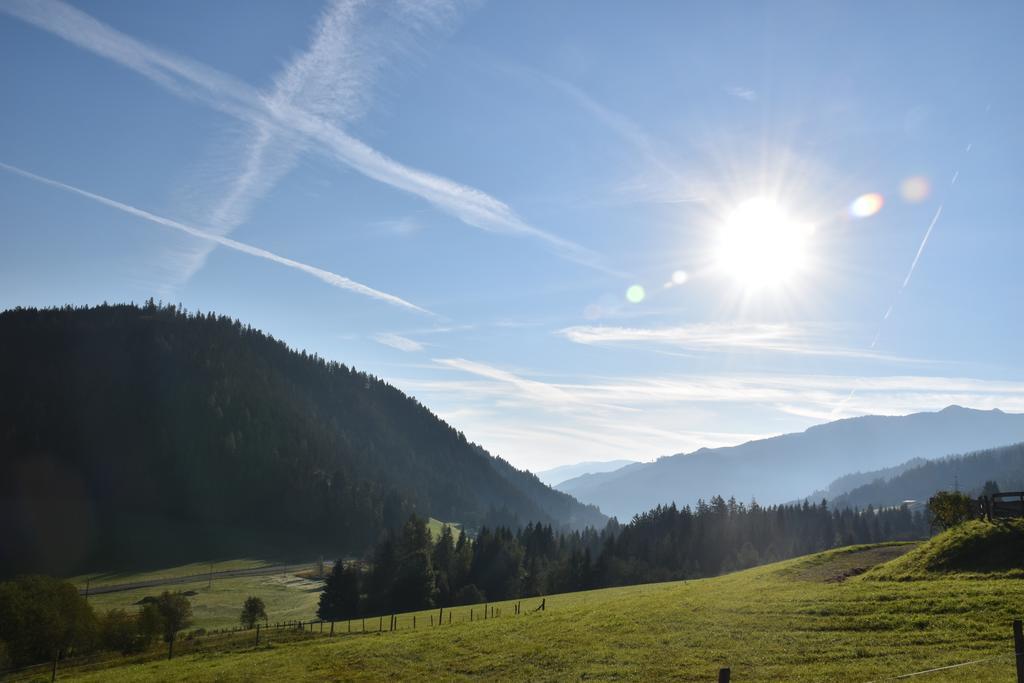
(119, 631)
(175, 614)
(252, 611)
(949, 508)
(340, 598)
(42, 618)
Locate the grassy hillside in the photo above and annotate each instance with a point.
(975, 549)
(811, 619)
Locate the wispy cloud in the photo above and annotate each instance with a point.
(739, 92)
(661, 181)
(542, 420)
(397, 341)
(327, 276)
(722, 337)
(198, 82)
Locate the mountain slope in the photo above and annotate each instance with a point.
(131, 435)
(786, 467)
(969, 472)
(556, 475)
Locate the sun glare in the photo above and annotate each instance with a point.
(761, 246)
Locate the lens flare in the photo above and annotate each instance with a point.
(915, 189)
(866, 205)
(680, 277)
(635, 294)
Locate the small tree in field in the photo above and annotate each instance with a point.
(175, 614)
(252, 611)
(949, 508)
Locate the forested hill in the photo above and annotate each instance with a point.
(968, 473)
(133, 435)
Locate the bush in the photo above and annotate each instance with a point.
(949, 508)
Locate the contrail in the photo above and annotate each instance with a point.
(920, 249)
(198, 82)
(327, 276)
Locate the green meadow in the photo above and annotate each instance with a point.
(834, 616)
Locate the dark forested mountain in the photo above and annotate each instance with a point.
(968, 473)
(785, 468)
(133, 435)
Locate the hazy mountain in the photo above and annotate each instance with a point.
(131, 435)
(849, 482)
(786, 467)
(922, 479)
(556, 475)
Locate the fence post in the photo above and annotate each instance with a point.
(380, 624)
(332, 628)
(449, 616)
(414, 622)
(440, 616)
(723, 675)
(257, 634)
(1018, 648)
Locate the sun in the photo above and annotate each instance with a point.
(761, 246)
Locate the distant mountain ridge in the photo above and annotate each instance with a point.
(556, 475)
(787, 467)
(133, 435)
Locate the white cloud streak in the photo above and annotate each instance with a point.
(397, 341)
(327, 276)
(541, 422)
(920, 249)
(719, 338)
(331, 79)
(198, 82)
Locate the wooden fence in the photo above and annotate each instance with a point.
(1000, 505)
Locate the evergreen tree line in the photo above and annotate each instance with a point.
(410, 571)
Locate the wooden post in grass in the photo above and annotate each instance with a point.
(471, 614)
(431, 619)
(723, 675)
(380, 625)
(449, 616)
(322, 626)
(1018, 648)
(414, 622)
(332, 628)
(440, 616)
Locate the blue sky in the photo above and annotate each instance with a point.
(459, 198)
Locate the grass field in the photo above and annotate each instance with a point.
(820, 618)
(436, 526)
(98, 579)
(287, 597)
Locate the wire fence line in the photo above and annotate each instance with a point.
(943, 668)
